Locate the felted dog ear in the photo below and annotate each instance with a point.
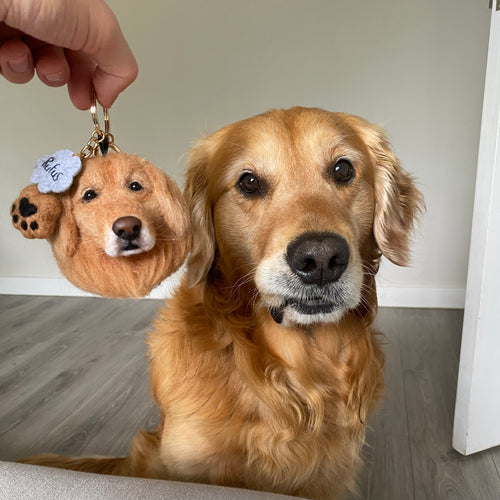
(172, 204)
(398, 203)
(197, 196)
(68, 234)
(36, 214)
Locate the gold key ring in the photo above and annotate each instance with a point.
(93, 112)
(98, 137)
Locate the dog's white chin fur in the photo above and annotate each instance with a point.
(114, 245)
(278, 285)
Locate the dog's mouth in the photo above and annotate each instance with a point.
(131, 247)
(309, 307)
(127, 249)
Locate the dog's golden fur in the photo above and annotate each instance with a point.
(246, 401)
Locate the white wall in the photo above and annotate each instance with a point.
(416, 67)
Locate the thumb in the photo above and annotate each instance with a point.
(116, 67)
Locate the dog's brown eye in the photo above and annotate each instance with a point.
(135, 186)
(342, 172)
(90, 194)
(250, 185)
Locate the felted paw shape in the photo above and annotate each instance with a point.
(35, 214)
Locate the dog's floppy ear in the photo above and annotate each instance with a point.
(398, 203)
(197, 196)
(36, 214)
(67, 239)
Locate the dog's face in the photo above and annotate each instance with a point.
(298, 202)
(122, 205)
(124, 227)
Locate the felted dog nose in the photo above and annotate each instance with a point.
(127, 228)
(318, 258)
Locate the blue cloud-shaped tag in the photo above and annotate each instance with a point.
(55, 173)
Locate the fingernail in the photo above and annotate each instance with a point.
(20, 65)
(55, 77)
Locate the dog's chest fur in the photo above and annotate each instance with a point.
(268, 410)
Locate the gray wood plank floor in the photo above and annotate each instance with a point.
(74, 380)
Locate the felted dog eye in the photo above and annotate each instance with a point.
(250, 185)
(135, 186)
(342, 172)
(90, 194)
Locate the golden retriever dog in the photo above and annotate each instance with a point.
(265, 364)
(120, 230)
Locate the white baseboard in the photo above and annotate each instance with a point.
(62, 287)
(436, 298)
(440, 298)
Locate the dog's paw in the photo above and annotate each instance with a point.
(35, 214)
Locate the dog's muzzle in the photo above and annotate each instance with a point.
(128, 229)
(312, 281)
(128, 237)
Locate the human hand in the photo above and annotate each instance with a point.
(73, 42)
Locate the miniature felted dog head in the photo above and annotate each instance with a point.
(118, 231)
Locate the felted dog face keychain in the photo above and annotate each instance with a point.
(118, 225)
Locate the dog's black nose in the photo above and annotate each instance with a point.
(318, 258)
(127, 228)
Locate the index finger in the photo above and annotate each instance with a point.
(86, 26)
